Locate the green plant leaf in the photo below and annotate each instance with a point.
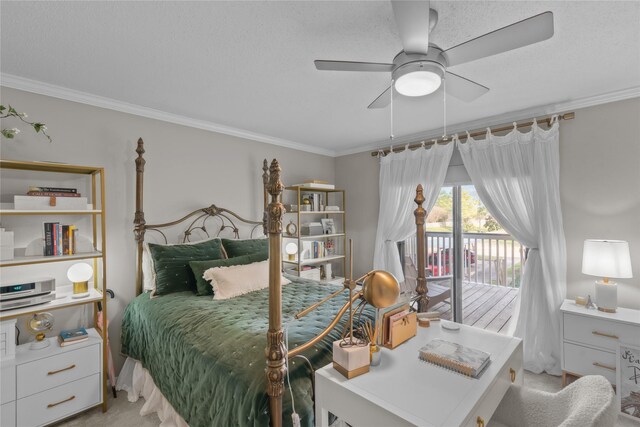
(8, 133)
(2, 108)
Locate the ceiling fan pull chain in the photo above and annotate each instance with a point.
(444, 103)
(391, 110)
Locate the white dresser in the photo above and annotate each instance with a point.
(42, 386)
(590, 339)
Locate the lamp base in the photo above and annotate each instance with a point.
(606, 296)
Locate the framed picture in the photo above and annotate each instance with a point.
(328, 227)
(628, 380)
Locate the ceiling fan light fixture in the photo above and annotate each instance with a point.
(418, 79)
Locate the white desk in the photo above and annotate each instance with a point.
(403, 390)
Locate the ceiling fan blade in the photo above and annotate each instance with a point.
(352, 66)
(464, 89)
(382, 100)
(412, 19)
(523, 33)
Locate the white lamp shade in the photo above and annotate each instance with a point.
(606, 258)
(291, 248)
(81, 272)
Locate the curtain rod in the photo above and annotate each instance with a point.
(501, 128)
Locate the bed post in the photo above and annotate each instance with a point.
(265, 182)
(275, 351)
(138, 220)
(421, 287)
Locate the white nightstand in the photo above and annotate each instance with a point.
(590, 339)
(42, 386)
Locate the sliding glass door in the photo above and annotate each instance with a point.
(473, 266)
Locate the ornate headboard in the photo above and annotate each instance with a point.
(210, 221)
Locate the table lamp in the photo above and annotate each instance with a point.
(79, 274)
(606, 259)
(292, 250)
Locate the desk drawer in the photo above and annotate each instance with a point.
(588, 361)
(43, 374)
(511, 373)
(600, 333)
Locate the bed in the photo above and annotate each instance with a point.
(206, 357)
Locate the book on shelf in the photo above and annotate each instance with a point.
(52, 194)
(33, 188)
(59, 239)
(319, 186)
(72, 336)
(316, 181)
(456, 357)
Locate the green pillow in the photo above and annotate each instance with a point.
(199, 267)
(171, 263)
(235, 248)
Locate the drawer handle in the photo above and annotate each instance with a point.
(602, 334)
(480, 421)
(600, 365)
(61, 370)
(512, 373)
(51, 405)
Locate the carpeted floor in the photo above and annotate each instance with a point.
(121, 413)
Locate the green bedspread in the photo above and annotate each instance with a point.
(207, 357)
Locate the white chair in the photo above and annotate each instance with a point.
(587, 402)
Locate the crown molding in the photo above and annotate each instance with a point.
(42, 88)
(513, 116)
(34, 86)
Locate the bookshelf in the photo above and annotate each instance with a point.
(27, 224)
(312, 248)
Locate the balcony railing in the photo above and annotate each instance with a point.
(495, 259)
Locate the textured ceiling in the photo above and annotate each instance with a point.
(249, 65)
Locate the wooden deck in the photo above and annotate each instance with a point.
(484, 306)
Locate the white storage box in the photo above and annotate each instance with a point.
(312, 229)
(8, 339)
(44, 203)
(6, 244)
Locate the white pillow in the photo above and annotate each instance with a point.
(148, 268)
(229, 282)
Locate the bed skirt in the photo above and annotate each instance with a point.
(137, 382)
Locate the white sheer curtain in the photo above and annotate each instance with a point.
(517, 179)
(400, 174)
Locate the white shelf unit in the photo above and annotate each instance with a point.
(26, 260)
(294, 195)
(93, 180)
(49, 212)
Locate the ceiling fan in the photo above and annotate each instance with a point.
(421, 66)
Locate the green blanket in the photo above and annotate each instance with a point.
(207, 357)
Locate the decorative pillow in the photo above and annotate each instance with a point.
(235, 248)
(229, 282)
(199, 267)
(171, 264)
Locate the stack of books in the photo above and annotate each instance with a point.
(316, 183)
(59, 239)
(72, 336)
(60, 198)
(53, 192)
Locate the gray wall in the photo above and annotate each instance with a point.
(599, 185)
(186, 169)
